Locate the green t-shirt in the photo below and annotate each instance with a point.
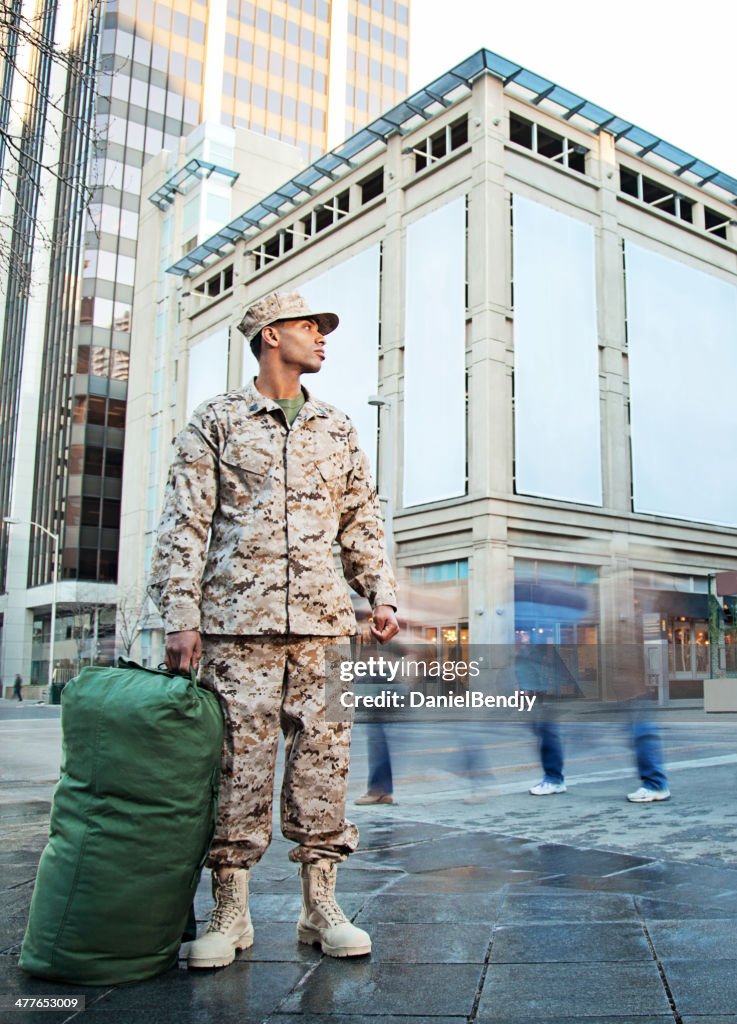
(291, 406)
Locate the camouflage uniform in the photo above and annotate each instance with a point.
(266, 596)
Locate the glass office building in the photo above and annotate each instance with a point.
(160, 68)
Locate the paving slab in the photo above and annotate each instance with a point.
(555, 905)
(705, 940)
(362, 1018)
(449, 943)
(419, 990)
(655, 909)
(703, 988)
(406, 909)
(463, 879)
(577, 990)
(647, 1019)
(250, 989)
(573, 943)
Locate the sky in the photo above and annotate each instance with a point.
(669, 68)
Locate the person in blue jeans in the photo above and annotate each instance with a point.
(537, 669)
(648, 754)
(380, 783)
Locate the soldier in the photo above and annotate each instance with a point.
(263, 481)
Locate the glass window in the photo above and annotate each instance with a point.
(197, 30)
(245, 50)
(261, 58)
(263, 20)
(180, 24)
(305, 76)
(116, 414)
(93, 461)
(307, 40)
(293, 33)
(174, 108)
(176, 64)
(160, 58)
(290, 70)
(128, 224)
(231, 45)
(194, 71)
(126, 270)
(259, 96)
(106, 265)
(157, 98)
(163, 16)
(276, 64)
(274, 102)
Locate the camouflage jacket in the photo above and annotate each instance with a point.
(251, 511)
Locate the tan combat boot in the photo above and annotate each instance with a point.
(230, 927)
(322, 921)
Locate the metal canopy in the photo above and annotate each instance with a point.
(194, 168)
(429, 101)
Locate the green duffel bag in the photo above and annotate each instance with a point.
(131, 823)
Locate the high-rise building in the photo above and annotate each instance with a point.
(298, 71)
(537, 295)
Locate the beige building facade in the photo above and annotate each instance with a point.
(538, 346)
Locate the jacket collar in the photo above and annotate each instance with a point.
(256, 403)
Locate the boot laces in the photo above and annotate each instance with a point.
(325, 897)
(226, 905)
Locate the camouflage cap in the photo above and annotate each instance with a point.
(282, 306)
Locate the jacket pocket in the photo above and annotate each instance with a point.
(242, 456)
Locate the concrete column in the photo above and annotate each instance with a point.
(491, 590)
(617, 480)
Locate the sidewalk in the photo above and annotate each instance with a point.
(468, 923)
(579, 908)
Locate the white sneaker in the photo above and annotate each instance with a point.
(643, 795)
(546, 788)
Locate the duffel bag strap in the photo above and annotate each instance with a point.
(129, 663)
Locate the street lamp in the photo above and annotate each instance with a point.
(12, 521)
(386, 405)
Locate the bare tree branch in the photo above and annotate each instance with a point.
(39, 121)
(132, 616)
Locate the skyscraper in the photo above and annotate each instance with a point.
(301, 71)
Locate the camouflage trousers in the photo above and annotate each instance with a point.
(268, 684)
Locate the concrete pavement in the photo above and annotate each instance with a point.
(574, 908)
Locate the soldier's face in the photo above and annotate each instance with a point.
(300, 344)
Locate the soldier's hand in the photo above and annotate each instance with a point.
(384, 625)
(183, 649)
